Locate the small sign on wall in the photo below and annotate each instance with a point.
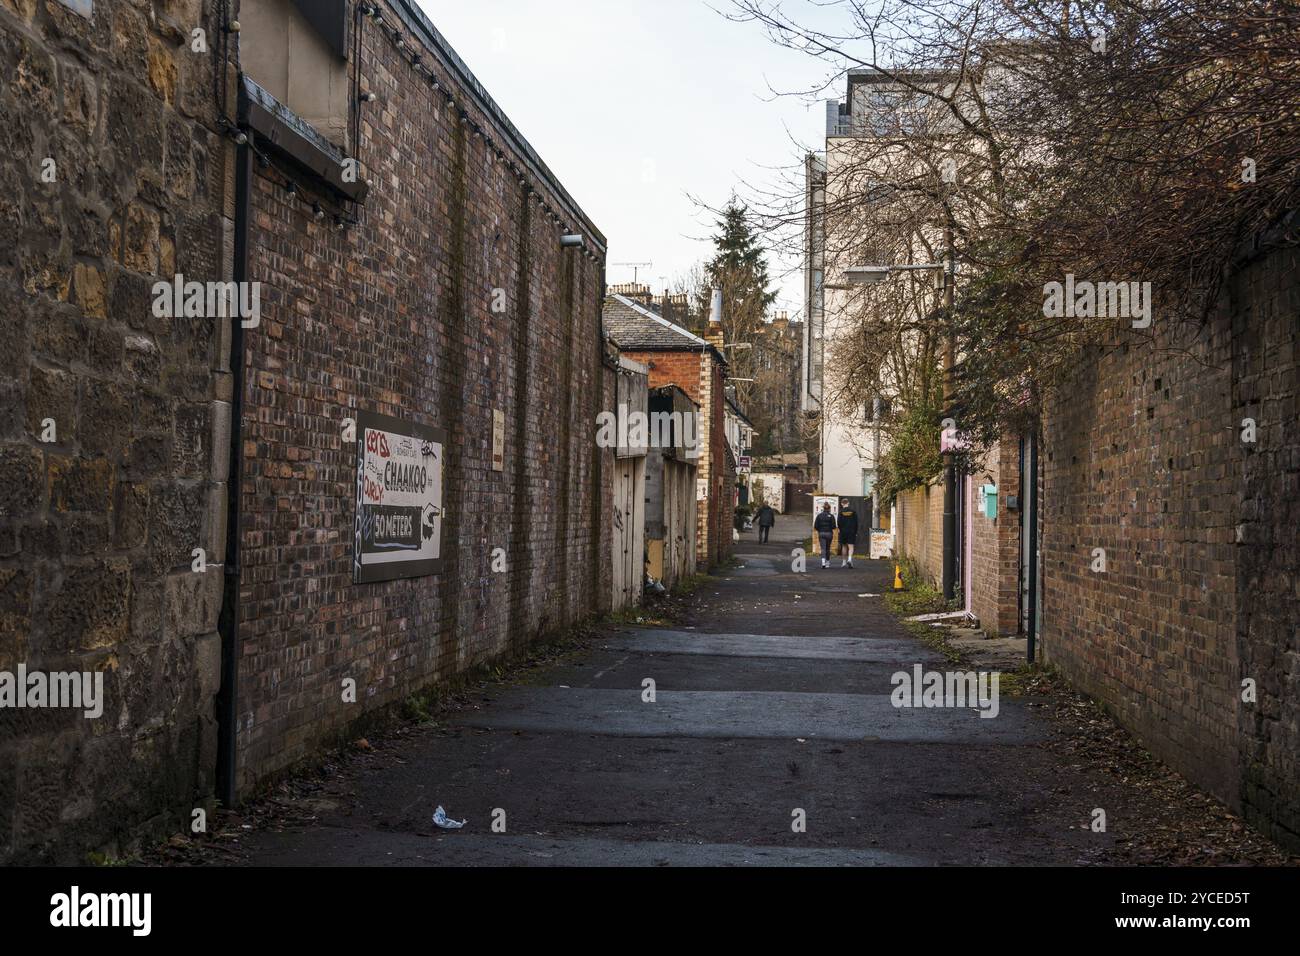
(498, 440)
(701, 489)
(399, 499)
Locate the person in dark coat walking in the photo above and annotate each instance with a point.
(766, 518)
(824, 526)
(848, 525)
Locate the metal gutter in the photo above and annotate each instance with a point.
(228, 621)
(416, 21)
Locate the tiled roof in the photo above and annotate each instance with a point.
(634, 327)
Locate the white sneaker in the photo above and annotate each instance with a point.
(844, 564)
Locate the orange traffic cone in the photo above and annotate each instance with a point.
(898, 578)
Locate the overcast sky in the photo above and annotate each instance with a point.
(637, 105)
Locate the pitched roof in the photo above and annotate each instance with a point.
(637, 329)
(738, 413)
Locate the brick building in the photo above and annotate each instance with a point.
(449, 298)
(670, 524)
(992, 556)
(988, 566)
(697, 366)
(771, 356)
(188, 525)
(774, 398)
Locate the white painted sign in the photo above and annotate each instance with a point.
(498, 440)
(399, 499)
(882, 544)
(832, 500)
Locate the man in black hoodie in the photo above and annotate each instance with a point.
(824, 526)
(766, 518)
(848, 525)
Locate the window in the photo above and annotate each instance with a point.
(297, 52)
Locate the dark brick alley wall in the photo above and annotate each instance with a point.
(1265, 311)
(394, 315)
(1143, 457)
(97, 525)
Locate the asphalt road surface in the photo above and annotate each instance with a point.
(771, 705)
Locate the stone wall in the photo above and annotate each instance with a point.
(114, 179)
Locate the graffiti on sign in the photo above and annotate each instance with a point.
(399, 499)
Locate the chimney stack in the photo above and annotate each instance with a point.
(713, 334)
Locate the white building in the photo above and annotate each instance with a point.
(837, 195)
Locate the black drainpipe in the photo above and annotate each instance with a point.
(228, 623)
(1032, 543)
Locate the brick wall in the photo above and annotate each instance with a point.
(920, 530)
(994, 547)
(995, 543)
(1134, 458)
(1143, 457)
(98, 524)
(1265, 315)
(394, 315)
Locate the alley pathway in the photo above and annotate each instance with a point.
(774, 698)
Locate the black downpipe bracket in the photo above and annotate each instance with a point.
(228, 622)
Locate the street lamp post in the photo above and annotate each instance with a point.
(870, 275)
(875, 462)
(950, 463)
